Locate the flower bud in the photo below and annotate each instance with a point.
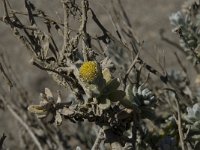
(89, 71)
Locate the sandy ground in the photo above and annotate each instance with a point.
(146, 16)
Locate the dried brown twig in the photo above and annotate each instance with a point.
(2, 139)
(178, 118)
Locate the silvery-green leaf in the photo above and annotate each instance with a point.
(107, 75)
(116, 95)
(39, 131)
(126, 103)
(196, 109)
(140, 90)
(197, 146)
(129, 93)
(66, 112)
(147, 112)
(134, 90)
(195, 126)
(49, 117)
(40, 111)
(193, 113)
(41, 116)
(196, 137)
(111, 86)
(104, 104)
(45, 45)
(146, 92)
(92, 90)
(48, 93)
(58, 119)
(124, 114)
(78, 148)
(37, 109)
(146, 102)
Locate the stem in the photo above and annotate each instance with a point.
(98, 140)
(66, 25)
(179, 122)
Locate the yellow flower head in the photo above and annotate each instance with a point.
(89, 71)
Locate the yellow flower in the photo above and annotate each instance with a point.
(89, 71)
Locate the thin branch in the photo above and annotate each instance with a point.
(98, 140)
(83, 29)
(124, 14)
(161, 32)
(66, 25)
(179, 123)
(6, 76)
(5, 8)
(129, 70)
(180, 63)
(178, 119)
(2, 139)
(178, 47)
(29, 8)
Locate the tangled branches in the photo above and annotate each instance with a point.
(114, 94)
